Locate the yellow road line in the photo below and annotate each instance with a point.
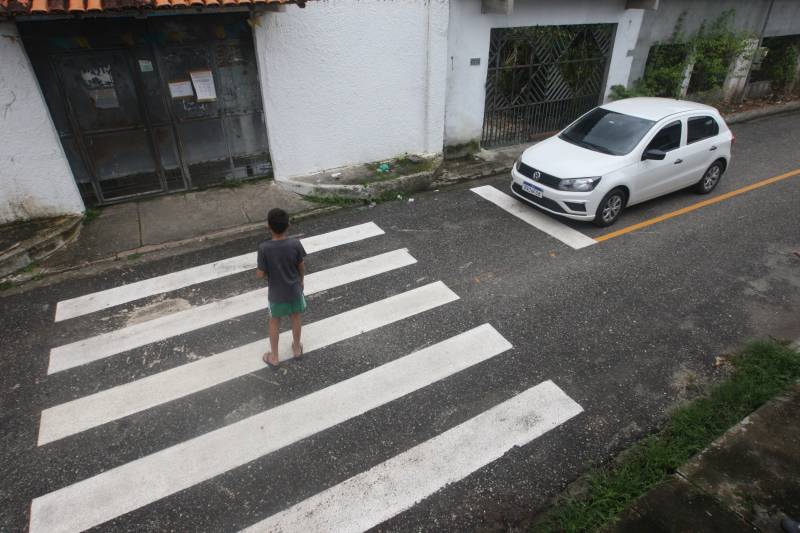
(698, 205)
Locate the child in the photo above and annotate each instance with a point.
(280, 260)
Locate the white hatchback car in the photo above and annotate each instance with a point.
(624, 153)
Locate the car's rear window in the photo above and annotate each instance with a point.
(608, 132)
(700, 128)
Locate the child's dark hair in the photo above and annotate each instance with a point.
(278, 220)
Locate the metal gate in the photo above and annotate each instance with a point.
(152, 106)
(541, 78)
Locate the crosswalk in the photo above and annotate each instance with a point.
(539, 220)
(364, 500)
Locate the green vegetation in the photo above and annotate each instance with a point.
(761, 371)
(461, 150)
(711, 51)
(5, 285)
(31, 268)
(780, 65)
(402, 165)
(133, 257)
(90, 214)
(333, 200)
(715, 47)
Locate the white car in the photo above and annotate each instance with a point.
(624, 153)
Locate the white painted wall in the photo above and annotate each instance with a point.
(469, 37)
(35, 178)
(352, 81)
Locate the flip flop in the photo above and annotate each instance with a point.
(272, 366)
(299, 356)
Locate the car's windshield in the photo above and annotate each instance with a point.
(608, 132)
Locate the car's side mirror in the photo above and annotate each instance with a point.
(654, 154)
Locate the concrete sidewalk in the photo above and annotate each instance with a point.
(146, 225)
(747, 480)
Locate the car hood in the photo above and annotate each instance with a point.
(566, 160)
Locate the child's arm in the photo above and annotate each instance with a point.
(260, 273)
(301, 269)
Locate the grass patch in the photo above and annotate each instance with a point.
(30, 268)
(5, 285)
(760, 371)
(133, 257)
(90, 214)
(333, 200)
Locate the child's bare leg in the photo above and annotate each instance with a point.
(274, 335)
(297, 324)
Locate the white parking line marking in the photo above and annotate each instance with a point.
(114, 403)
(124, 339)
(538, 220)
(97, 301)
(370, 498)
(132, 485)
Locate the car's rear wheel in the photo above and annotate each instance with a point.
(610, 208)
(710, 179)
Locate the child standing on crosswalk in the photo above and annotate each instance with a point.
(280, 260)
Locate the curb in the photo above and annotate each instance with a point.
(744, 116)
(446, 179)
(409, 183)
(41, 246)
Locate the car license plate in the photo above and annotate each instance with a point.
(532, 189)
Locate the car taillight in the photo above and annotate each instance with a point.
(733, 138)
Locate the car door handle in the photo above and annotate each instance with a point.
(678, 161)
(712, 148)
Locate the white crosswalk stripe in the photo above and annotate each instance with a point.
(537, 219)
(118, 341)
(97, 301)
(361, 502)
(372, 497)
(120, 490)
(111, 404)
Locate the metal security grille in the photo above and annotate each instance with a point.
(154, 105)
(541, 78)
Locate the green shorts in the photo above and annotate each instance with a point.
(281, 309)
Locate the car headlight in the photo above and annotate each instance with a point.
(579, 184)
(517, 162)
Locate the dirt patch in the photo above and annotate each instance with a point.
(157, 309)
(729, 108)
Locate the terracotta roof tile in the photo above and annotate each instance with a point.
(44, 7)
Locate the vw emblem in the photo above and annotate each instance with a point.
(537, 175)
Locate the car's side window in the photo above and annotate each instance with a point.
(669, 138)
(700, 128)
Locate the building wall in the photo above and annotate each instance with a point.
(784, 19)
(352, 81)
(35, 178)
(469, 38)
(749, 16)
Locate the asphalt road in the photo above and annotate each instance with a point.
(626, 328)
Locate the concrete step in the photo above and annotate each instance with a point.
(23, 244)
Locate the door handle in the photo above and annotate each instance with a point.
(678, 161)
(712, 148)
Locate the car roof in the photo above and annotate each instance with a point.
(655, 108)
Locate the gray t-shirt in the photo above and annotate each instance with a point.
(279, 260)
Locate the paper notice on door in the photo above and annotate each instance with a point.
(104, 98)
(145, 65)
(203, 81)
(181, 89)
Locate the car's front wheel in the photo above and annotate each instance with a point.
(710, 178)
(610, 208)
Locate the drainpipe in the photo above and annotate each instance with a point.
(758, 47)
(426, 126)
